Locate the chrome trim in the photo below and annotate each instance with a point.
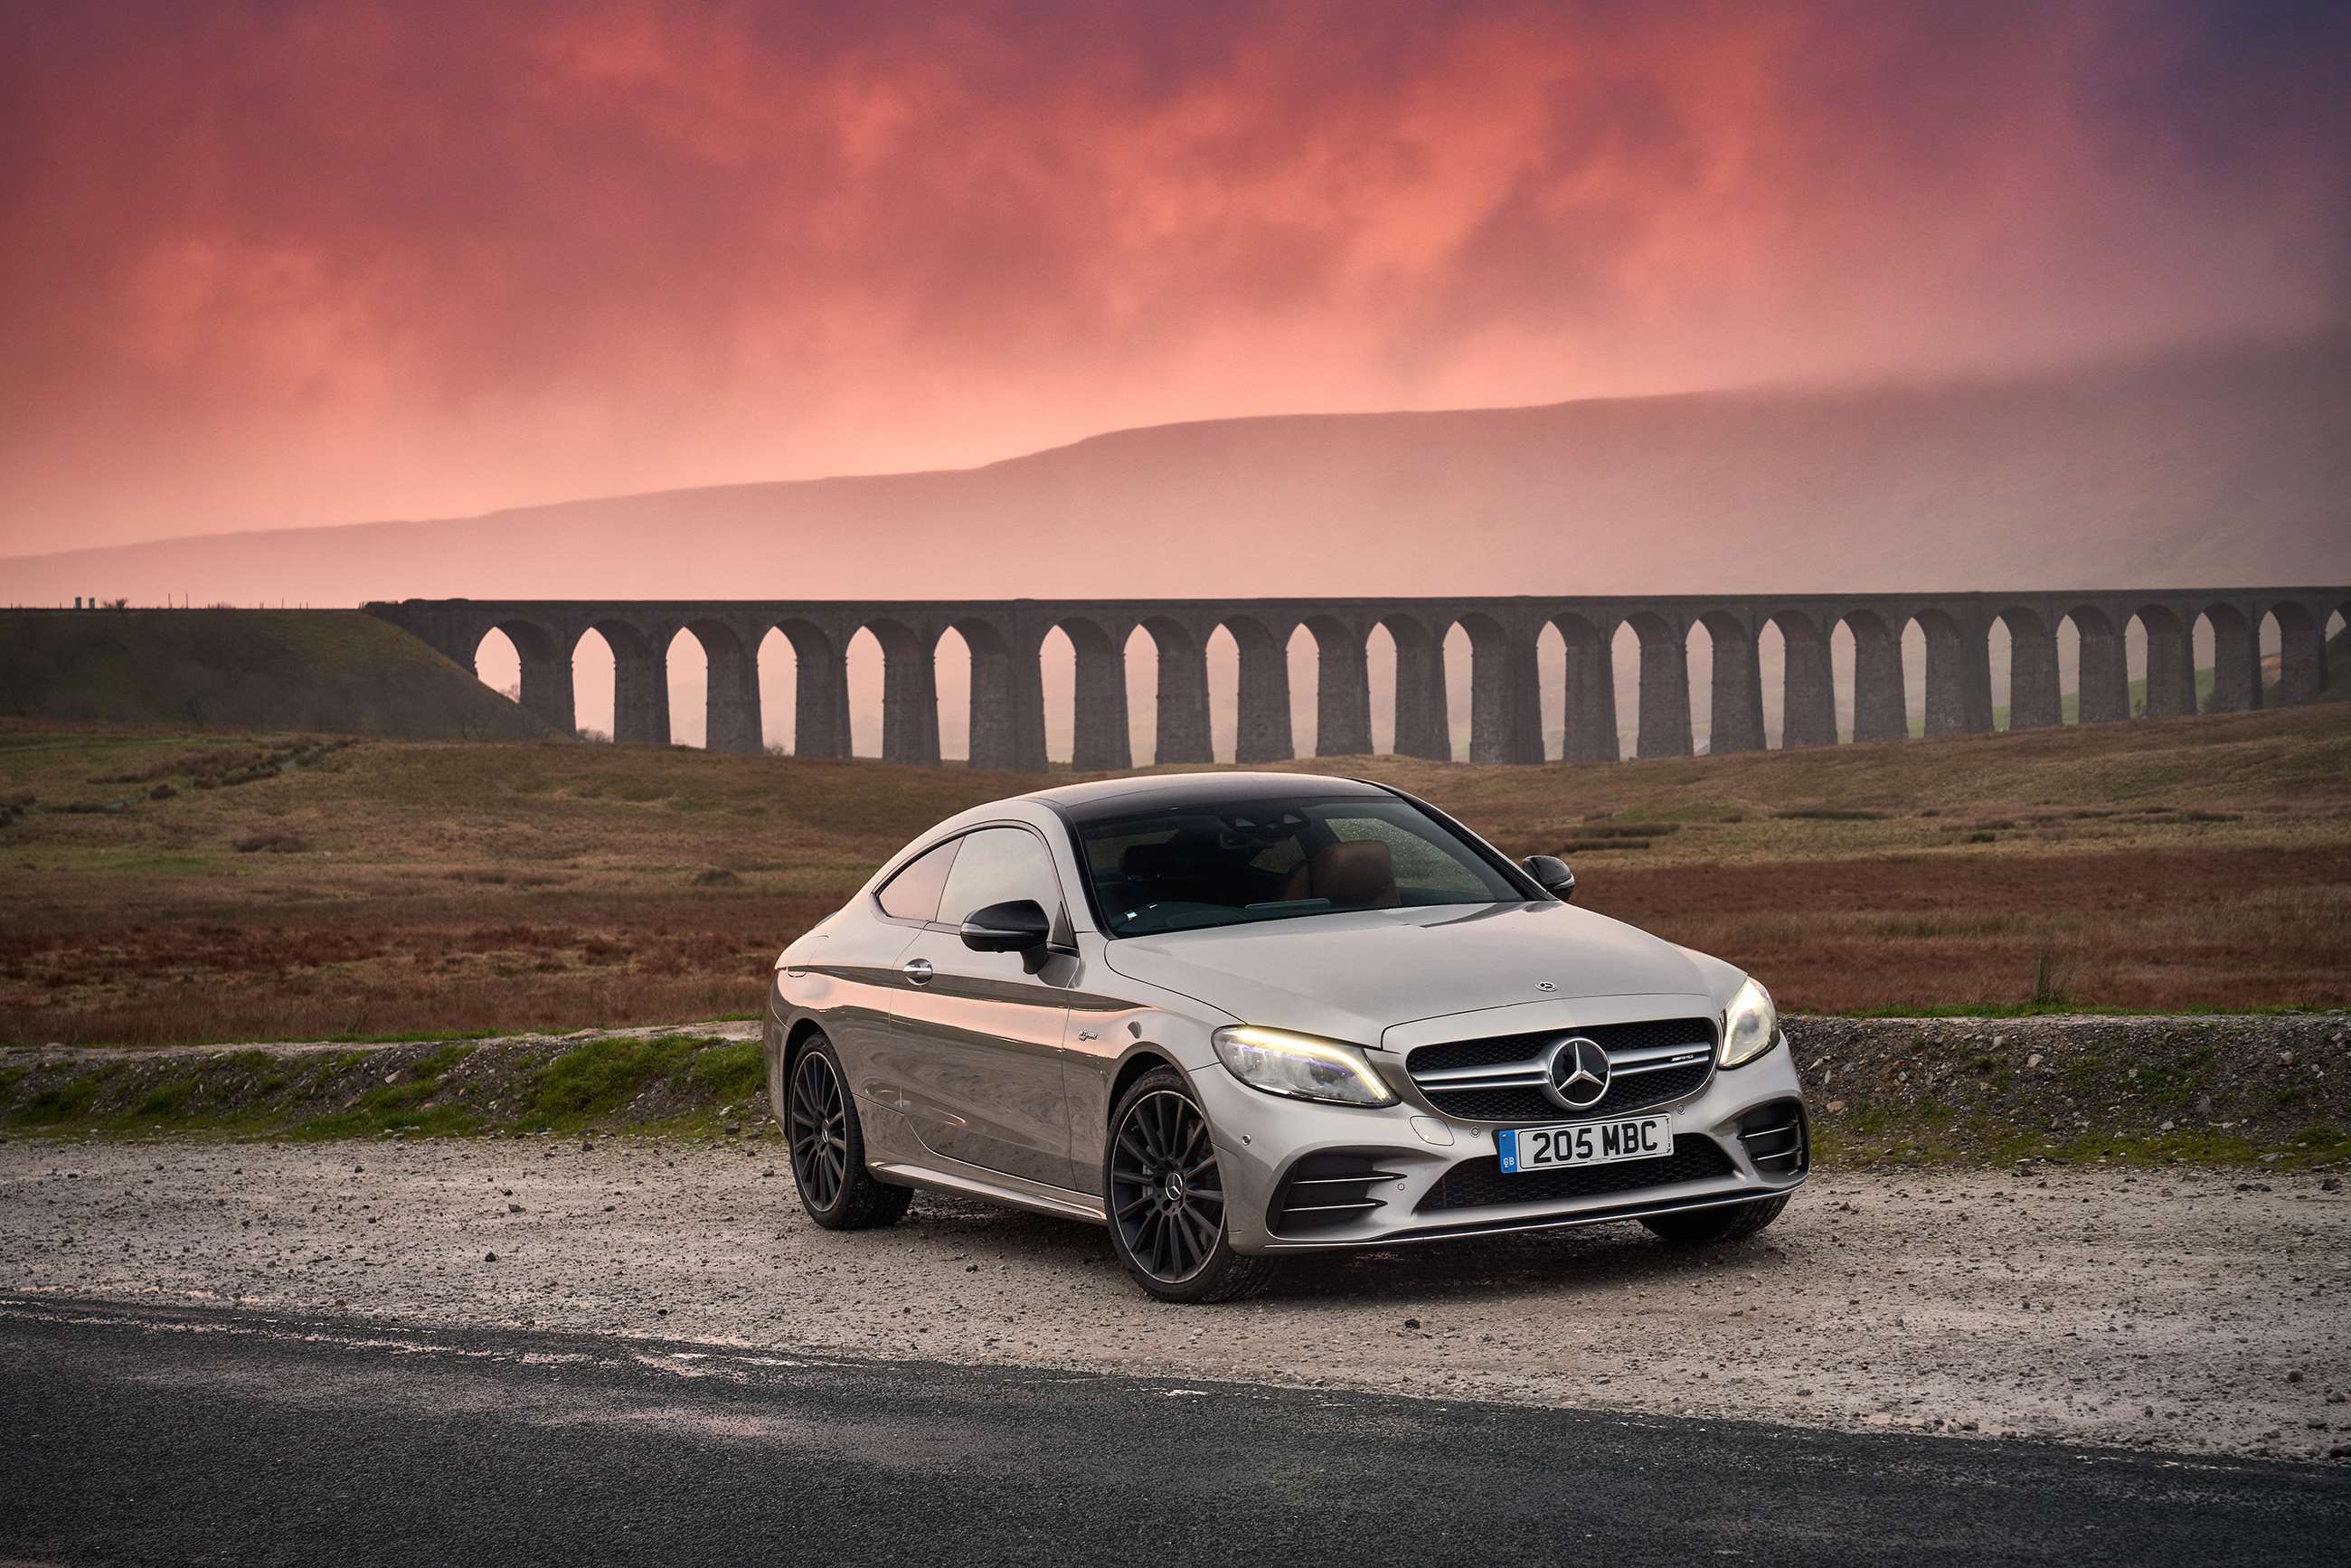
(1624, 1061)
(1504, 1074)
(1534, 1073)
(1635, 1068)
(1074, 1205)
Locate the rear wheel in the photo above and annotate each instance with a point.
(828, 1147)
(1166, 1198)
(1712, 1227)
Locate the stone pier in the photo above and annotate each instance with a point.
(1505, 636)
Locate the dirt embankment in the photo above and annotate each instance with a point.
(2259, 1088)
(709, 1075)
(2272, 1088)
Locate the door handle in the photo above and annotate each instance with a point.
(918, 970)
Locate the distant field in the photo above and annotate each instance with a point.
(160, 886)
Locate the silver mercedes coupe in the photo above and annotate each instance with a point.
(1232, 1016)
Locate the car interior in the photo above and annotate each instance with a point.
(1211, 867)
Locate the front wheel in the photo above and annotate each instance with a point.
(1710, 1227)
(828, 1148)
(1166, 1198)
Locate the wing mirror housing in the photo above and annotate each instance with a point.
(1016, 925)
(1551, 873)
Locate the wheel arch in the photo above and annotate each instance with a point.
(1141, 1060)
(796, 1040)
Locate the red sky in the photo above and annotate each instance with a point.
(276, 263)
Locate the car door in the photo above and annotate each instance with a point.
(978, 1035)
(860, 962)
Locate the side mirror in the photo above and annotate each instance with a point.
(1551, 873)
(1016, 925)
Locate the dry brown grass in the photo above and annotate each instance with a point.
(404, 888)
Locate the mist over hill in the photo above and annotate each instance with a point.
(2221, 465)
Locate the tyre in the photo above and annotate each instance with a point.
(1712, 1227)
(1167, 1197)
(827, 1147)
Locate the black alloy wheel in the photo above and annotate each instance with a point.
(819, 1130)
(1167, 1198)
(828, 1148)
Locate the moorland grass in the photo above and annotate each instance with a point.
(456, 889)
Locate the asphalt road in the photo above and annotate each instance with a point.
(134, 1435)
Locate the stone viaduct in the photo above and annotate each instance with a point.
(1008, 709)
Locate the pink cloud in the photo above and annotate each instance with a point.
(276, 264)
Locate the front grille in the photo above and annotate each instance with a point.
(1480, 1184)
(1626, 1045)
(1534, 1105)
(1326, 1190)
(1774, 1137)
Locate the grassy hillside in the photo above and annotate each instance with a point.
(408, 887)
(333, 670)
(2050, 476)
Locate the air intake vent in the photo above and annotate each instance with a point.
(1327, 1190)
(1480, 1184)
(1774, 1137)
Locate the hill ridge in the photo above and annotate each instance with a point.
(2218, 464)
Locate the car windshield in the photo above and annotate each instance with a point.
(1180, 867)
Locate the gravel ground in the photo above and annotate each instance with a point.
(2181, 1310)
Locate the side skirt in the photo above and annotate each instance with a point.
(970, 1182)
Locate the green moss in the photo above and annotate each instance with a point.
(67, 1102)
(2171, 1082)
(1852, 1141)
(600, 1078)
(166, 1100)
(402, 1105)
(730, 1072)
(2320, 1141)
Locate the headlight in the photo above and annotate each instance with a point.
(1749, 1025)
(1301, 1066)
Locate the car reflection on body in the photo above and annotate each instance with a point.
(1233, 1016)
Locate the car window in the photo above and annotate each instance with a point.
(914, 893)
(1178, 867)
(999, 864)
(1428, 874)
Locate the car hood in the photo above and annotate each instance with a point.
(1355, 975)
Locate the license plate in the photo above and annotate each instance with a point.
(1584, 1144)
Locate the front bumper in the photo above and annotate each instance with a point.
(1435, 1176)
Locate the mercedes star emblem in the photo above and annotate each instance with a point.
(1578, 1072)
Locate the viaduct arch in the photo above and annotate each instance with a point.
(1506, 722)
